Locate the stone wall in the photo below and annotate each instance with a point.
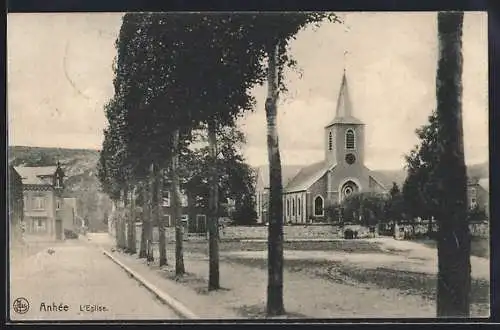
(258, 232)
(481, 230)
(296, 232)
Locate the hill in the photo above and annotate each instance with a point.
(476, 171)
(80, 166)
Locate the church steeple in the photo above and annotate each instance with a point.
(344, 111)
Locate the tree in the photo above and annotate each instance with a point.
(419, 188)
(236, 178)
(476, 214)
(270, 34)
(394, 204)
(365, 208)
(454, 269)
(112, 171)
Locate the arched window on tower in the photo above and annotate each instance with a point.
(330, 141)
(350, 139)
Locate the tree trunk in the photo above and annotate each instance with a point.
(275, 230)
(177, 207)
(145, 220)
(120, 223)
(157, 216)
(150, 205)
(454, 269)
(117, 222)
(213, 202)
(125, 221)
(132, 242)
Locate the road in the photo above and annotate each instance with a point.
(80, 283)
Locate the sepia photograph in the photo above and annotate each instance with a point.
(248, 166)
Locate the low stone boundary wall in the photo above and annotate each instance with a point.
(257, 232)
(303, 232)
(480, 230)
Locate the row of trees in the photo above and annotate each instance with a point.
(176, 75)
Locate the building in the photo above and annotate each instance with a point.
(42, 200)
(15, 196)
(478, 194)
(309, 190)
(193, 214)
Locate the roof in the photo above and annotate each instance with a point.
(14, 175)
(384, 180)
(307, 176)
(344, 113)
(485, 183)
(32, 175)
(288, 172)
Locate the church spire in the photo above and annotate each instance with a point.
(344, 112)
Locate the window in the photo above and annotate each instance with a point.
(293, 206)
(318, 206)
(298, 205)
(201, 223)
(184, 199)
(166, 199)
(58, 182)
(39, 203)
(58, 204)
(349, 139)
(287, 207)
(330, 141)
(167, 220)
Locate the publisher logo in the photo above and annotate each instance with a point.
(21, 305)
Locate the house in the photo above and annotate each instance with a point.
(15, 196)
(194, 216)
(478, 193)
(309, 190)
(42, 200)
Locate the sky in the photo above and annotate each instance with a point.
(60, 76)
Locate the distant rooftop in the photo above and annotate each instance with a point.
(34, 175)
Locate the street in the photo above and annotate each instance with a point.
(77, 282)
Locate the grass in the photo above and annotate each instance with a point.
(480, 247)
(406, 282)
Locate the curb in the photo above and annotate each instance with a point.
(179, 308)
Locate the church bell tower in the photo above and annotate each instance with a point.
(344, 135)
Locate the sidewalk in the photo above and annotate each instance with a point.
(244, 292)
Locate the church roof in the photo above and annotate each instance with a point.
(385, 180)
(307, 176)
(288, 172)
(344, 113)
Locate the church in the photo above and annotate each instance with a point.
(309, 190)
